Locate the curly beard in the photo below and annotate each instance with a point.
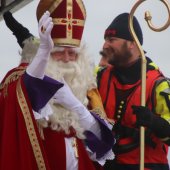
(80, 78)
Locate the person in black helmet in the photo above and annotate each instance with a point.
(120, 89)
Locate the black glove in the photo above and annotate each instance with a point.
(144, 117)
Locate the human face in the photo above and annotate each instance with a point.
(118, 51)
(64, 54)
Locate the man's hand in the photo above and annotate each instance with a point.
(39, 63)
(45, 26)
(66, 98)
(144, 117)
(160, 127)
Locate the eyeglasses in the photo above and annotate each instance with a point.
(65, 55)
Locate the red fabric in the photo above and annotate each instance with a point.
(77, 32)
(84, 160)
(61, 33)
(15, 149)
(59, 160)
(152, 155)
(77, 12)
(68, 20)
(128, 120)
(55, 148)
(103, 91)
(60, 11)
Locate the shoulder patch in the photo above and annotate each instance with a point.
(99, 75)
(152, 65)
(166, 94)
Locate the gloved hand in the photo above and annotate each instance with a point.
(144, 116)
(39, 63)
(66, 98)
(45, 26)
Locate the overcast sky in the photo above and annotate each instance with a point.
(100, 14)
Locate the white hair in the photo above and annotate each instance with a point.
(29, 50)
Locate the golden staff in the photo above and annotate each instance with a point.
(148, 18)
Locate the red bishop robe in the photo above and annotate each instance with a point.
(21, 147)
(20, 143)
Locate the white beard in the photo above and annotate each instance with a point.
(80, 78)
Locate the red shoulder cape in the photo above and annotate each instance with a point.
(20, 143)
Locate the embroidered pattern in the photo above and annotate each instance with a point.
(30, 128)
(69, 21)
(102, 115)
(11, 78)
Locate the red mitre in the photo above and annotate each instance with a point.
(68, 18)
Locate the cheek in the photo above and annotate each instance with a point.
(56, 57)
(110, 52)
(73, 58)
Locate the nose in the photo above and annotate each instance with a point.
(106, 44)
(66, 57)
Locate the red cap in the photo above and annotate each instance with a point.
(68, 18)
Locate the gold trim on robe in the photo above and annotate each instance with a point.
(30, 128)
